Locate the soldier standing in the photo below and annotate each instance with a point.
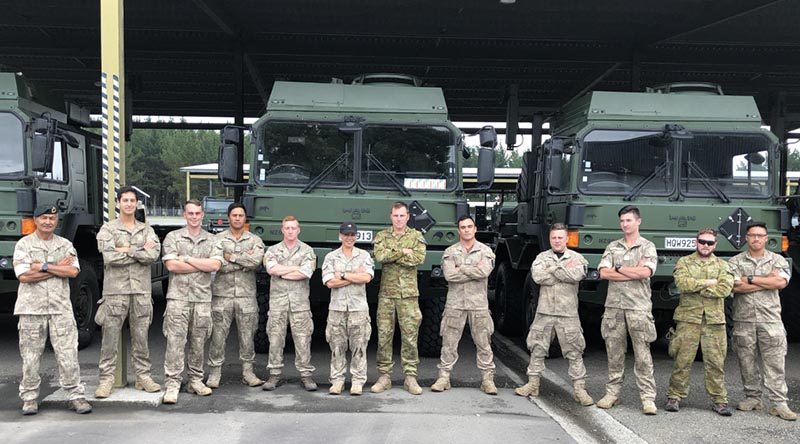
(43, 262)
(704, 281)
(558, 272)
(400, 249)
(627, 264)
(234, 297)
(466, 267)
(290, 263)
(759, 275)
(346, 271)
(191, 254)
(129, 247)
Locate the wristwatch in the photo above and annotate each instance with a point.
(44, 267)
(341, 275)
(617, 267)
(750, 279)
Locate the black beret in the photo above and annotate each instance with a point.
(44, 209)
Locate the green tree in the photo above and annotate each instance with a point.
(502, 158)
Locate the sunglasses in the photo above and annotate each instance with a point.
(706, 242)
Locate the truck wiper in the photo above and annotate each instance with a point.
(706, 181)
(325, 173)
(386, 172)
(637, 189)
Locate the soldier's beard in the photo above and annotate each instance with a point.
(701, 254)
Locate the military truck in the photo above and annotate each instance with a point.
(215, 213)
(686, 154)
(47, 158)
(328, 153)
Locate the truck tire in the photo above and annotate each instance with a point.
(530, 291)
(790, 308)
(510, 306)
(432, 307)
(84, 292)
(260, 339)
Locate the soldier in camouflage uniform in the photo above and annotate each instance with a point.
(234, 297)
(346, 271)
(627, 264)
(43, 262)
(400, 249)
(759, 275)
(191, 254)
(704, 281)
(466, 267)
(558, 272)
(129, 247)
(290, 263)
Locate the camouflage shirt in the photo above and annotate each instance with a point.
(698, 299)
(286, 295)
(192, 287)
(467, 275)
(352, 297)
(558, 279)
(127, 273)
(763, 305)
(50, 296)
(236, 277)
(399, 270)
(636, 294)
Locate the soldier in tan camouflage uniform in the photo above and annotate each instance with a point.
(558, 272)
(627, 264)
(129, 247)
(346, 271)
(43, 262)
(704, 281)
(400, 249)
(234, 297)
(757, 327)
(191, 254)
(466, 267)
(291, 264)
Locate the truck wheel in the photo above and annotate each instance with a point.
(260, 339)
(530, 290)
(432, 307)
(790, 308)
(510, 306)
(84, 292)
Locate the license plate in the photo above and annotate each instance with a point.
(679, 243)
(364, 236)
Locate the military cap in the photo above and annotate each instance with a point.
(44, 209)
(348, 228)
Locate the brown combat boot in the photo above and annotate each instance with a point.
(214, 375)
(782, 411)
(750, 404)
(384, 383)
(198, 388)
(272, 383)
(30, 408)
(80, 406)
(170, 395)
(411, 385)
(336, 388)
(607, 401)
(248, 377)
(487, 384)
(441, 384)
(529, 389)
(580, 394)
(104, 389)
(309, 384)
(146, 383)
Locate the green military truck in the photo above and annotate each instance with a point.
(328, 153)
(686, 154)
(46, 158)
(215, 213)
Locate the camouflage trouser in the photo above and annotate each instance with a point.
(642, 330)
(570, 338)
(481, 326)
(351, 328)
(64, 338)
(184, 321)
(224, 311)
(138, 308)
(302, 328)
(768, 339)
(683, 348)
(410, 318)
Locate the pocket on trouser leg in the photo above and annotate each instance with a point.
(101, 315)
(744, 338)
(575, 341)
(201, 321)
(777, 338)
(143, 309)
(609, 328)
(449, 322)
(643, 329)
(674, 343)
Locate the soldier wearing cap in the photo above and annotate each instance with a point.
(346, 271)
(43, 263)
(128, 247)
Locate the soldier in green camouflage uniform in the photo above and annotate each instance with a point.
(627, 264)
(704, 281)
(234, 297)
(400, 249)
(43, 262)
(129, 247)
(757, 327)
(191, 254)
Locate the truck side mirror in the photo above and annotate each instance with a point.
(42, 145)
(228, 164)
(485, 167)
(554, 182)
(231, 135)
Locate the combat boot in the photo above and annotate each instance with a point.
(198, 388)
(30, 408)
(80, 406)
(782, 411)
(411, 385)
(308, 383)
(248, 377)
(384, 383)
(214, 375)
(146, 383)
(104, 389)
(607, 401)
(170, 396)
(487, 384)
(356, 389)
(441, 384)
(529, 389)
(580, 394)
(336, 388)
(649, 407)
(750, 404)
(272, 383)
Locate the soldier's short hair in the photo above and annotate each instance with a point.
(398, 205)
(558, 226)
(192, 202)
(127, 189)
(236, 205)
(707, 230)
(756, 224)
(465, 217)
(630, 209)
(290, 218)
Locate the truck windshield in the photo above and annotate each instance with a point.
(295, 153)
(408, 157)
(12, 158)
(737, 165)
(216, 205)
